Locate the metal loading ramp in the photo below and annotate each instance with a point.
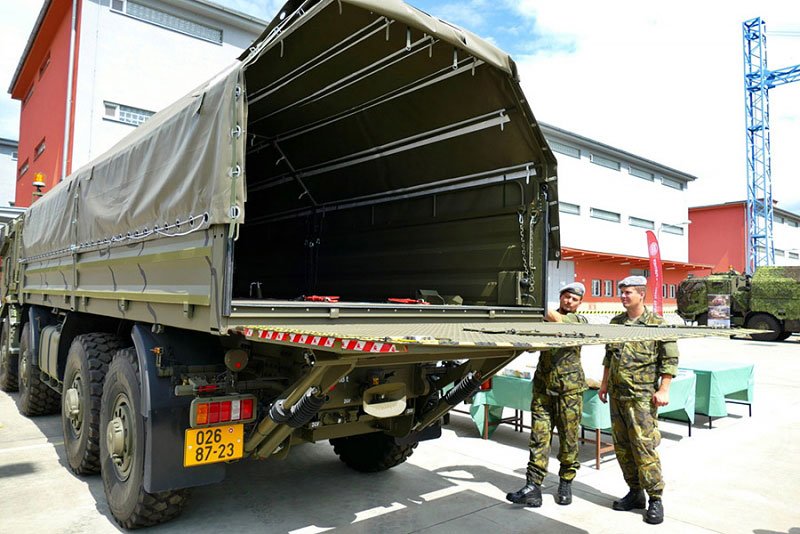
(393, 337)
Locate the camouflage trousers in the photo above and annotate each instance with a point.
(564, 413)
(634, 427)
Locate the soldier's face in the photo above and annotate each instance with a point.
(630, 297)
(569, 302)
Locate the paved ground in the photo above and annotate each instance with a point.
(742, 476)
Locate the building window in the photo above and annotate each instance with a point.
(167, 20)
(794, 256)
(664, 290)
(604, 215)
(566, 207)
(641, 223)
(672, 291)
(779, 219)
(595, 288)
(39, 150)
(609, 288)
(44, 66)
(14, 155)
(791, 223)
(672, 229)
(605, 162)
(126, 114)
(639, 173)
(779, 252)
(674, 184)
(22, 169)
(567, 150)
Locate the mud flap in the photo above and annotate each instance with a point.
(166, 417)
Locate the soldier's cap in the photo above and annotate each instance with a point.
(632, 281)
(575, 288)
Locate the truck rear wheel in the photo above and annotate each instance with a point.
(8, 362)
(370, 453)
(87, 364)
(35, 398)
(122, 450)
(764, 321)
(702, 319)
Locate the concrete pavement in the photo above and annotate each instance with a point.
(742, 476)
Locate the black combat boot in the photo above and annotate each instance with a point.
(564, 494)
(529, 495)
(634, 499)
(655, 512)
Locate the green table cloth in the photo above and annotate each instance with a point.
(515, 393)
(718, 381)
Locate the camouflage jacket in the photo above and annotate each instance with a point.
(636, 366)
(559, 371)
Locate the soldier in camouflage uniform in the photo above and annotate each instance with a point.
(558, 387)
(637, 376)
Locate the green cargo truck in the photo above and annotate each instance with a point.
(338, 238)
(769, 300)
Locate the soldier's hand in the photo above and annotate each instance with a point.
(661, 398)
(602, 393)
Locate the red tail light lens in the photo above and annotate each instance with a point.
(247, 408)
(213, 412)
(225, 411)
(487, 385)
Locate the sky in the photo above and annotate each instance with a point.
(663, 80)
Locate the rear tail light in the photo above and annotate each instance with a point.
(486, 386)
(218, 410)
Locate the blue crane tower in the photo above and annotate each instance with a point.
(758, 80)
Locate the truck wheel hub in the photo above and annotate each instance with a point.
(23, 368)
(120, 437)
(72, 405)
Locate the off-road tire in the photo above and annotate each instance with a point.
(123, 479)
(784, 336)
(370, 453)
(9, 378)
(765, 321)
(702, 319)
(35, 397)
(87, 363)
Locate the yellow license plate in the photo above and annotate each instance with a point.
(213, 444)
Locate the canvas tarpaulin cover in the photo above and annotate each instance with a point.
(174, 168)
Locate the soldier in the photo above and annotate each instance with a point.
(558, 387)
(637, 376)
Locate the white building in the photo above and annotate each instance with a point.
(608, 200)
(86, 79)
(8, 171)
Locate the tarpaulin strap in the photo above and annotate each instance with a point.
(321, 298)
(407, 301)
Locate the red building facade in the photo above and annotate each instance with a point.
(40, 83)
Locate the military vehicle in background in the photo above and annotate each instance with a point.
(400, 204)
(768, 300)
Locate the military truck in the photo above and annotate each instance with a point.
(338, 238)
(769, 300)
